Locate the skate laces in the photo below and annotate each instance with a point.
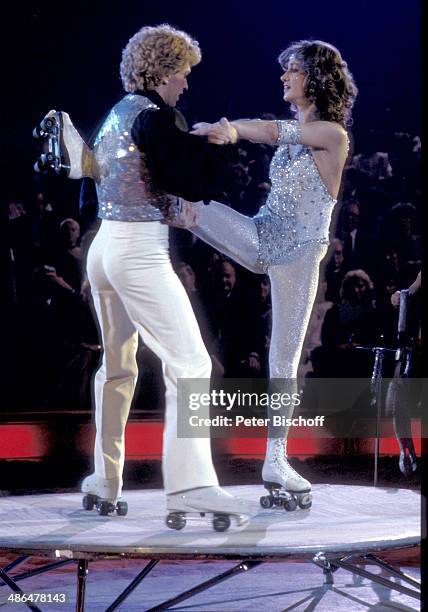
(287, 469)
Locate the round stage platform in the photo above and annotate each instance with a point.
(343, 519)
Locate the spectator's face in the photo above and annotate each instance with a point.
(187, 277)
(390, 287)
(264, 288)
(73, 231)
(175, 86)
(240, 174)
(213, 261)
(406, 224)
(228, 276)
(360, 289)
(353, 217)
(338, 256)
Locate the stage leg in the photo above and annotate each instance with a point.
(82, 572)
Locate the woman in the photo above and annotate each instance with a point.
(288, 237)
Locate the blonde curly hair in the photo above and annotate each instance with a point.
(153, 54)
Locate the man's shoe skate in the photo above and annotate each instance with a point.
(103, 494)
(206, 500)
(67, 152)
(286, 487)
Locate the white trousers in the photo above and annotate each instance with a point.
(136, 291)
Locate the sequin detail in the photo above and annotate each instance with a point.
(289, 132)
(124, 193)
(298, 210)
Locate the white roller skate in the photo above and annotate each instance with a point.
(67, 153)
(103, 494)
(206, 500)
(286, 487)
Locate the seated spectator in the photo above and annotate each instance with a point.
(348, 324)
(235, 324)
(335, 270)
(359, 247)
(401, 236)
(66, 337)
(374, 163)
(188, 278)
(21, 253)
(313, 334)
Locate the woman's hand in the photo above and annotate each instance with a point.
(219, 133)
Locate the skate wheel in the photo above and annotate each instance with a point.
(88, 502)
(175, 521)
(122, 508)
(103, 508)
(266, 501)
(305, 502)
(221, 522)
(290, 504)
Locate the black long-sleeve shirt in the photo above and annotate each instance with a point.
(180, 163)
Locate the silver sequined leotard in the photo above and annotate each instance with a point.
(298, 210)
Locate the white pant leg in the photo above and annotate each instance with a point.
(136, 263)
(116, 378)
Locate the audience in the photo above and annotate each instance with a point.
(375, 250)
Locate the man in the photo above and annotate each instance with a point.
(141, 157)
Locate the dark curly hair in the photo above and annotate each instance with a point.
(329, 83)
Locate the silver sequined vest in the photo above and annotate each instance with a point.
(122, 193)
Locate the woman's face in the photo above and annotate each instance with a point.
(294, 80)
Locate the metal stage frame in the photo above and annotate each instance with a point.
(329, 562)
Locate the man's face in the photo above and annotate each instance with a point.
(73, 229)
(338, 256)
(264, 288)
(175, 86)
(228, 276)
(353, 216)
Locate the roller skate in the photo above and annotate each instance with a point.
(103, 494)
(286, 487)
(214, 501)
(407, 461)
(67, 153)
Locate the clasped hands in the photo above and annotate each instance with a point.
(220, 133)
(186, 216)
